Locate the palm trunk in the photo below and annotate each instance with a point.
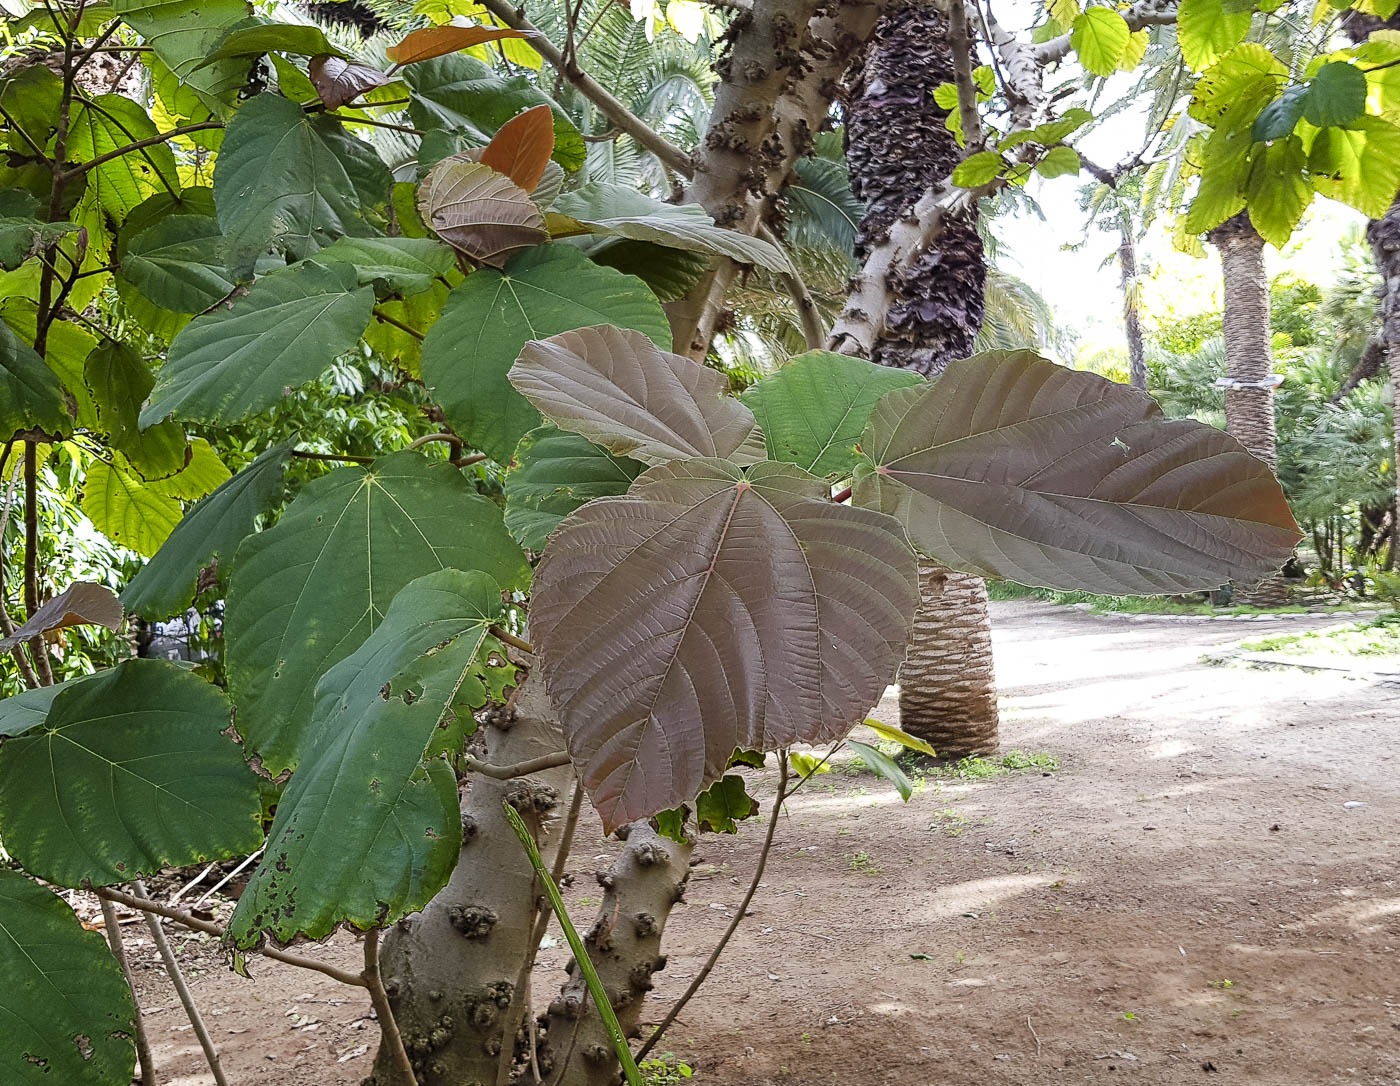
(898, 146)
(1249, 361)
(1384, 236)
(1127, 264)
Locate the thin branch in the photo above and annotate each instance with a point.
(149, 141)
(180, 916)
(378, 124)
(960, 45)
(813, 331)
(388, 1028)
(381, 315)
(344, 458)
(610, 106)
(518, 769)
(137, 145)
(513, 641)
(143, 1043)
(428, 439)
(172, 970)
(743, 908)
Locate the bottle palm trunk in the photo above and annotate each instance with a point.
(897, 146)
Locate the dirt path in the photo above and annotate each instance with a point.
(1188, 899)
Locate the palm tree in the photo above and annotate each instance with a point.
(898, 145)
(1115, 208)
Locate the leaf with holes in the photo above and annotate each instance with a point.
(430, 42)
(80, 604)
(66, 1013)
(308, 591)
(209, 532)
(282, 334)
(31, 397)
(492, 315)
(1358, 165)
(22, 238)
(1011, 466)
(130, 773)
(710, 609)
(479, 212)
(722, 806)
(339, 81)
(554, 473)
(814, 408)
(369, 827)
(617, 389)
(522, 147)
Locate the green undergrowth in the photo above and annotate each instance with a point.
(1146, 605)
(1379, 636)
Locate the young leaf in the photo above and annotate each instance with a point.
(722, 806)
(1100, 37)
(522, 147)
(479, 212)
(211, 531)
(540, 292)
(890, 732)
(1208, 29)
(1336, 95)
(1098, 491)
(1057, 162)
(437, 41)
(67, 1010)
(339, 81)
(31, 397)
(130, 773)
(369, 828)
(553, 474)
(884, 765)
(1278, 189)
(978, 169)
(813, 409)
(709, 609)
(618, 390)
(80, 604)
(308, 591)
(807, 765)
(283, 333)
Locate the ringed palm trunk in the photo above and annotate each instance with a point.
(897, 146)
(1249, 361)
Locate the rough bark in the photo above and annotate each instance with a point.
(624, 945)
(1132, 325)
(899, 146)
(1249, 362)
(451, 970)
(1384, 236)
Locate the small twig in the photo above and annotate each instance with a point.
(378, 124)
(518, 769)
(1035, 1035)
(428, 439)
(150, 141)
(467, 461)
(743, 908)
(513, 641)
(228, 878)
(178, 894)
(381, 315)
(807, 314)
(337, 457)
(143, 1043)
(172, 970)
(388, 1028)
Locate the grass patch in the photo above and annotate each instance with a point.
(664, 1070)
(1379, 636)
(978, 768)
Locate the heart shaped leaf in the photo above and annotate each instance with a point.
(479, 212)
(709, 609)
(617, 389)
(1011, 466)
(522, 147)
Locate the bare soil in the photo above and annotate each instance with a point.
(1188, 898)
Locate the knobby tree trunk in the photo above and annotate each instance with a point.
(1384, 236)
(1132, 324)
(898, 145)
(1249, 361)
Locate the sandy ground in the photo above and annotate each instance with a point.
(1187, 899)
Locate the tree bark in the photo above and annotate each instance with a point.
(899, 146)
(1132, 325)
(1384, 236)
(1249, 362)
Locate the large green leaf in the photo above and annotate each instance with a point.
(463, 95)
(1011, 466)
(130, 773)
(182, 32)
(1278, 189)
(211, 531)
(616, 388)
(127, 509)
(283, 333)
(369, 827)
(28, 708)
(31, 397)
(292, 181)
(1246, 77)
(1336, 95)
(1358, 165)
(108, 122)
(1100, 37)
(493, 314)
(401, 265)
(710, 609)
(554, 473)
(307, 592)
(178, 264)
(119, 381)
(66, 1013)
(619, 211)
(1207, 29)
(255, 36)
(815, 407)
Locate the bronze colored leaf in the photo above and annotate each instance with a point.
(338, 81)
(1011, 466)
(479, 212)
(438, 41)
(80, 604)
(522, 146)
(709, 609)
(616, 388)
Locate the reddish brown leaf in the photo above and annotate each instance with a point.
(438, 41)
(338, 81)
(478, 211)
(80, 604)
(522, 146)
(711, 608)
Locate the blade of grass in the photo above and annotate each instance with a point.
(590, 975)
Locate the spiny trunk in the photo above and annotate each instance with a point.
(1384, 236)
(1132, 325)
(899, 146)
(451, 970)
(1249, 362)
